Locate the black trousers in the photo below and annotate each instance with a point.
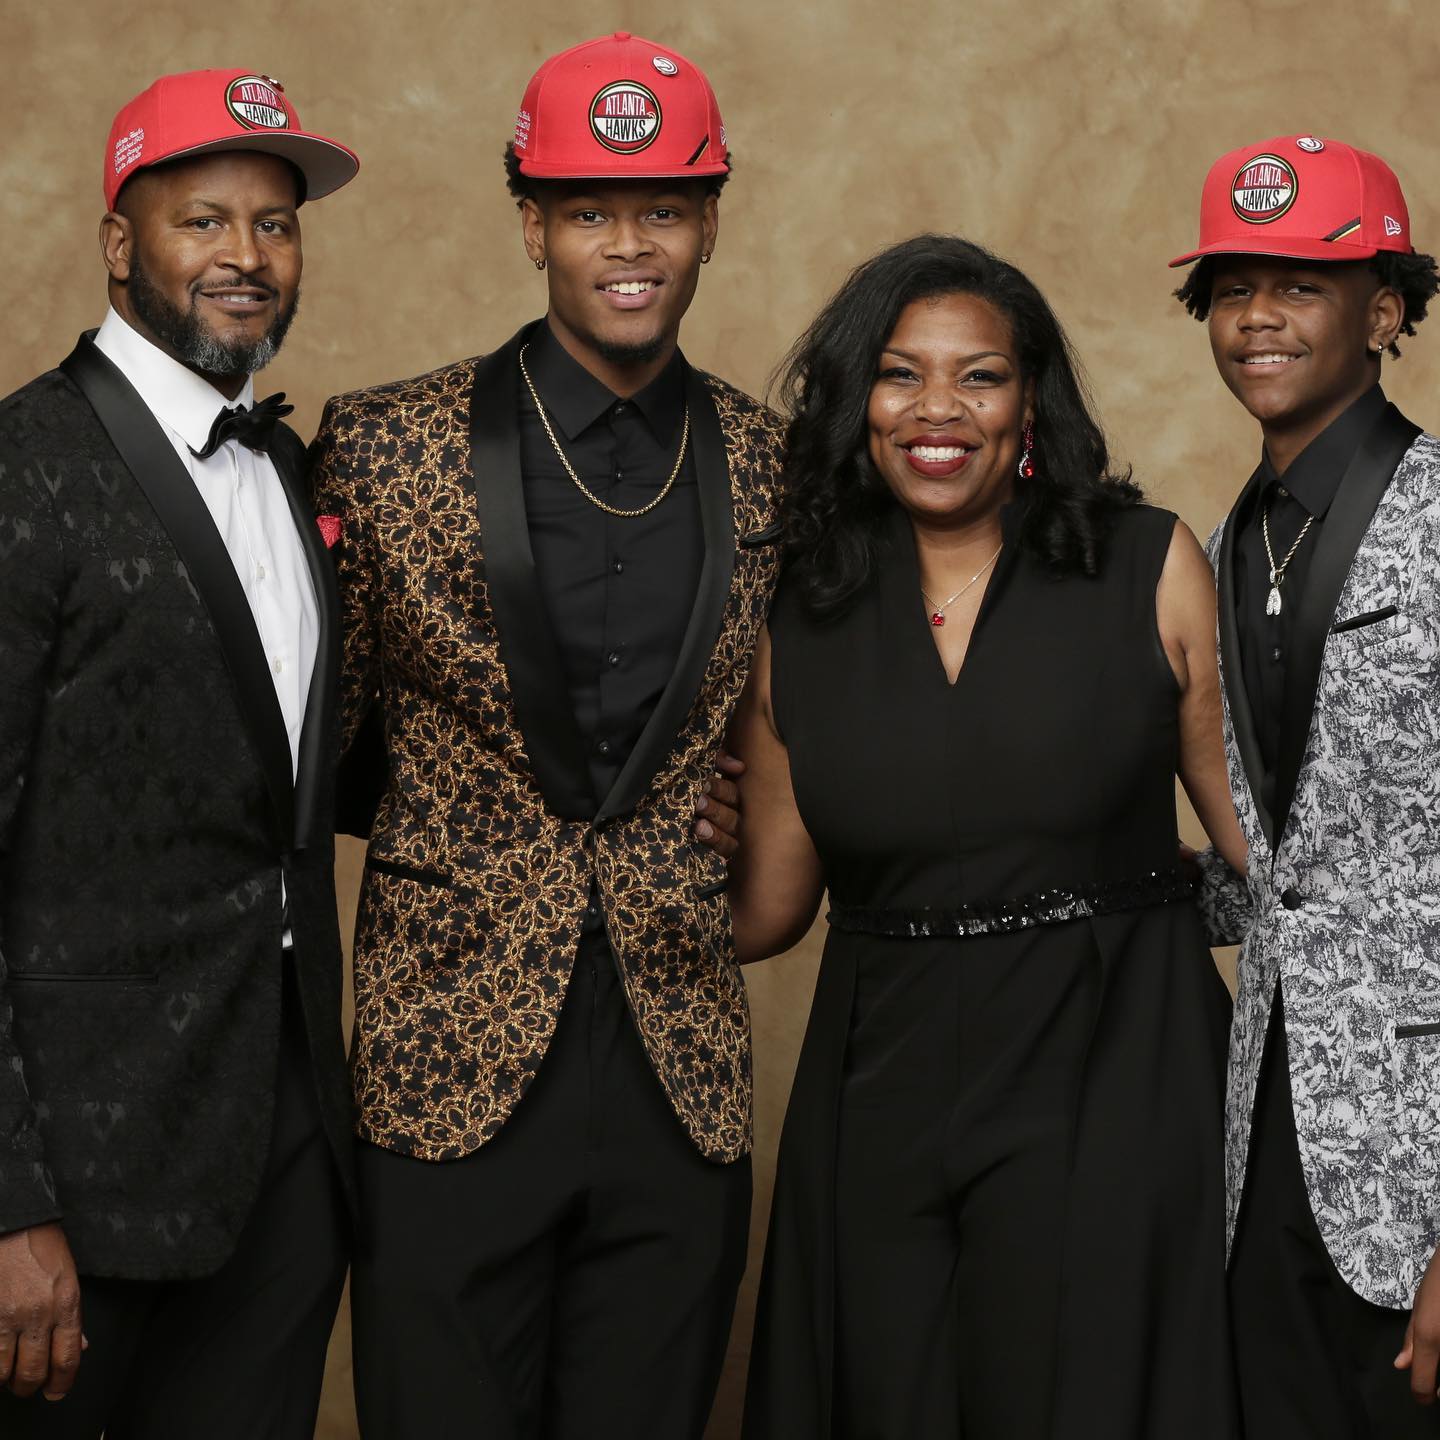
(1314, 1359)
(576, 1276)
(239, 1355)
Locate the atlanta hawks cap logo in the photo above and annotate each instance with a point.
(625, 117)
(1264, 188)
(254, 100)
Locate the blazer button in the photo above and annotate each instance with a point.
(1291, 898)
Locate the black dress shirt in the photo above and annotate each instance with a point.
(618, 591)
(1306, 489)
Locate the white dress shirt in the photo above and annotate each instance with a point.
(247, 502)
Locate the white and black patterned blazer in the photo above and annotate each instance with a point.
(1342, 900)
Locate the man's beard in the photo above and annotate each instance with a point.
(193, 341)
(620, 352)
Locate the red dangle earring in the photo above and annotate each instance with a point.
(1026, 467)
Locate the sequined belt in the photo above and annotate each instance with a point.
(1002, 917)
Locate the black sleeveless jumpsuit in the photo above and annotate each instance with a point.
(999, 1208)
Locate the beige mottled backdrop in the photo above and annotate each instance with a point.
(1072, 137)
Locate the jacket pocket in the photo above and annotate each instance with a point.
(398, 871)
(1412, 1032)
(1358, 622)
(768, 536)
(709, 892)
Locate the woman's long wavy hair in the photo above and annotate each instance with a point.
(836, 499)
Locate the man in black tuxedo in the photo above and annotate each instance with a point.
(174, 1106)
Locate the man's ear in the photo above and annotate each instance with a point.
(1387, 315)
(710, 224)
(117, 244)
(532, 229)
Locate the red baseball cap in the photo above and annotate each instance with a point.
(619, 108)
(203, 111)
(1304, 198)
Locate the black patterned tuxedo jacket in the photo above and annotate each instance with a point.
(147, 812)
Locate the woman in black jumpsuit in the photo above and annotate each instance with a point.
(998, 1211)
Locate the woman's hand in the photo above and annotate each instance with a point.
(719, 807)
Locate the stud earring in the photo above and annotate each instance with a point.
(540, 264)
(705, 258)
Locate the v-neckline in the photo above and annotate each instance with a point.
(900, 582)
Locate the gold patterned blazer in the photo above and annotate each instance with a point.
(486, 837)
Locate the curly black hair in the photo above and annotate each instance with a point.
(523, 187)
(836, 499)
(1414, 277)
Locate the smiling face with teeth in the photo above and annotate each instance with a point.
(204, 260)
(947, 410)
(622, 261)
(1296, 341)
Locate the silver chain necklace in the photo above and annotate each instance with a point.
(1277, 572)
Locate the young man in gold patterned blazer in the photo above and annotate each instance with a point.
(554, 561)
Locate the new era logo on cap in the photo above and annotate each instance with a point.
(1304, 198)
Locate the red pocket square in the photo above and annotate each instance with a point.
(329, 530)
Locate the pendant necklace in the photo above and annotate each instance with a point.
(1277, 572)
(937, 612)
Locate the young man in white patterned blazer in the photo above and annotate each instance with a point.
(1330, 645)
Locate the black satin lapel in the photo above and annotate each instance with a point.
(1366, 478)
(717, 519)
(317, 734)
(543, 707)
(1242, 718)
(151, 459)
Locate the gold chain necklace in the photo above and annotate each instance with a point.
(1277, 572)
(580, 485)
(937, 613)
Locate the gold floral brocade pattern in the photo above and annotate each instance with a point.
(462, 961)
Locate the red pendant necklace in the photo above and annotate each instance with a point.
(937, 612)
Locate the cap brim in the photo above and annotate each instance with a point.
(673, 172)
(1292, 248)
(325, 164)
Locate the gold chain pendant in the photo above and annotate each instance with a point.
(580, 485)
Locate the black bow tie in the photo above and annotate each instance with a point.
(250, 427)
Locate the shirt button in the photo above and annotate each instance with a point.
(259, 572)
(1276, 653)
(613, 658)
(618, 567)
(1291, 898)
(1282, 492)
(619, 475)
(278, 665)
(621, 407)
(603, 747)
